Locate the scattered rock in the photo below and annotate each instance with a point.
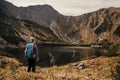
(4, 60)
(80, 66)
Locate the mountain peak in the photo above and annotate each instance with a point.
(6, 3)
(45, 5)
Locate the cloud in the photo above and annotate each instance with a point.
(78, 7)
(71, 7)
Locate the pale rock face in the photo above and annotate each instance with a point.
(58, 32)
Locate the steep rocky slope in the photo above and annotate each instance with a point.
(14, 31)
(41, 14)
(104, 24)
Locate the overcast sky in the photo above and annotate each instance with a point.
(70, 7)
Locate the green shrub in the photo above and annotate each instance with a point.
(116, 71)
(113, 49)
(117, 76)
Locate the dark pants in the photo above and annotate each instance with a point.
(31, 64)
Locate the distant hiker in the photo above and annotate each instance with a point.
(31, 52)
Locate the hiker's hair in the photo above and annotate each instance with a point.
(32, 39)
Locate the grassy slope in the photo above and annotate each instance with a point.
(98, 68)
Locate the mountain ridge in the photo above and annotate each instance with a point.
(87, 28)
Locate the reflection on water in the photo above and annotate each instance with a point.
(66, 54)
(59, 55)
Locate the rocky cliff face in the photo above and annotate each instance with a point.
(87, 28)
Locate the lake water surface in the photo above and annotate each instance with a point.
(67, 54)
(60, 55)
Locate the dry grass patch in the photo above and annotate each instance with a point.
(100, 68)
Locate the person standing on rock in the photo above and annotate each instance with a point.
(31, 53)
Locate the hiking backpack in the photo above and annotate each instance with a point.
(29, 49)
